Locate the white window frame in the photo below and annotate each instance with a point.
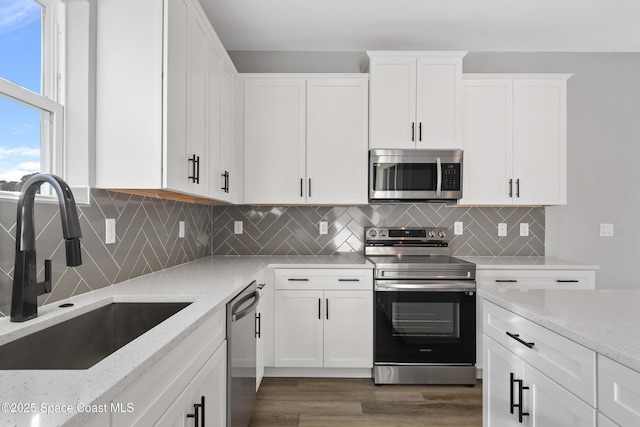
(51, 99)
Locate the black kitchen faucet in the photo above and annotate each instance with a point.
(26, 288)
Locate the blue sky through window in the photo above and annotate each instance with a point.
(20, 63)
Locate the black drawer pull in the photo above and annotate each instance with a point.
(506, 281)
(521, 341)
(297, 280)
(348, 280)
(567, 281)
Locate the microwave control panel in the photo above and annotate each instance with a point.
(451, 176)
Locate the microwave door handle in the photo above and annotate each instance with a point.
(439, 179)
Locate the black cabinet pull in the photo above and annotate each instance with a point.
(319, 308)
(413, 131)
(258, 325)
(512, 404)
(309, 187)
(348, 280)
(301, 184)
(506, 281)
(198, 413)
(511, 188)
(225, 185)
(521, 389)
(420, 131)
(297, 280)
(327, 310)
(567, 281)
(195, 169)
(520, 340)
(517, 188)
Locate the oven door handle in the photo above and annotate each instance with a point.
(418, 286)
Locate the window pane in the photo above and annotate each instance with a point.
(20, 135)
(21, 43)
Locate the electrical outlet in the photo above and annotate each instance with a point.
(606, 230)
(181, 230)
(458, 228)
(323, 227)
(524, 229)
(502, 229)
(109, 231)
(237, 227)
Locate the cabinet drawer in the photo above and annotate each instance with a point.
(618, 392)
(324, 279)
(536, 279)
(567, 362)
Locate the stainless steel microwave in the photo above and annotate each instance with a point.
(415, 175)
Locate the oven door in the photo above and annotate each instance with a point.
(425, 322)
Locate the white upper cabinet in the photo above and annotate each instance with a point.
(305, 140)
(337, 135)
(415, 99)
(159, 114)
(514, 139)
(274, 132)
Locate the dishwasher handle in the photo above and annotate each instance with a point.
(237, 315)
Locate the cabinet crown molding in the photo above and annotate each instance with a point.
(516, 76)
(432, 53)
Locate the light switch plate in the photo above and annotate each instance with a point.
(606, 230)
(181, 230)
(502, 229)
(524, 229)
(458, 228)
(109, 231)
(323, 227)
(237, 227)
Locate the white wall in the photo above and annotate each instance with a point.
(603, 145)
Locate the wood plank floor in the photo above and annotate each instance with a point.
(338, 402)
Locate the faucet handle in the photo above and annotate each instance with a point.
(47, 276)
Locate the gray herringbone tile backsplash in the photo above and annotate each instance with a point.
(294, 229)
(147, 240)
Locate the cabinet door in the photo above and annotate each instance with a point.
(226, 174)
(175, 103)
(348, 329)
(211, 382)
(275, 113)
(498, 391)
(487, 141)
(298, 329)
(214, 69)
(176, 413)
(393, 102)
(438, 102)
(190, 162)
(539, 140)
(337, 141)
(549, 404)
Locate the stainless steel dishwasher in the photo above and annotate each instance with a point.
(241, 356)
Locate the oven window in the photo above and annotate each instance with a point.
(404, 176)
(425, 319)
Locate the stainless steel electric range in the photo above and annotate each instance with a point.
(425, 315)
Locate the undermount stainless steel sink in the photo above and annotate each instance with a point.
(83, 341)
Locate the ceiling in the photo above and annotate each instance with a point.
(471, 25)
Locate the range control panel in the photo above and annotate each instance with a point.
(409, 234)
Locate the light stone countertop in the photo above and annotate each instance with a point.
(526, 263)
(606, 321)
(208, 283)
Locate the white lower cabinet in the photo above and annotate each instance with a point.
(194, 370)
(618, 392)
(323, 319)
(530, 278)
(533, 376)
